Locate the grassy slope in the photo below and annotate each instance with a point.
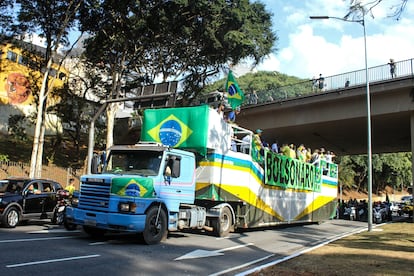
(19, 151)
(387, 250)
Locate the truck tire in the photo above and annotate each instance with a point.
(155, 226)
(222, 225)
(69, 226)
(11, 218)
(94, 232)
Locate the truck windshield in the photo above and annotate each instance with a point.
(143, 162)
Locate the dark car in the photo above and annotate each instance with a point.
(22, 199)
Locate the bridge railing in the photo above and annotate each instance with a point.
(333, 83)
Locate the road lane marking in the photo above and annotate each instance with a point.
(99, 243)
(36, 239)
(241, 266)
(200, 253)
(234, 247)
(52, 261)
(51, 231)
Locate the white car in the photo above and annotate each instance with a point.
(395, 208)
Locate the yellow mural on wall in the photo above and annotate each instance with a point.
(20, 74)
(21, 77)
(16, 89)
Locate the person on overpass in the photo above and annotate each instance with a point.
(321, 81)
(392, 68)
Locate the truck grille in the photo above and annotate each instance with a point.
(94, 195)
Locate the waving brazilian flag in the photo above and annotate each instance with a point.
(235, 95)
(184, 127)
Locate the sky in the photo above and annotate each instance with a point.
(307, 48)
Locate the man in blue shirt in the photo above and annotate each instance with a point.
(231, 118)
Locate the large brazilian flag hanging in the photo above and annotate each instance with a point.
(184, 127)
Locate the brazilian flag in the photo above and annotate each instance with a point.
(235, 95)
(184, 127)
(133, 186)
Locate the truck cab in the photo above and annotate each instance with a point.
(141, 186)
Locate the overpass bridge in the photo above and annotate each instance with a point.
(336, 118)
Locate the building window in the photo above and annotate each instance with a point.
(12, 56)
(23, 60)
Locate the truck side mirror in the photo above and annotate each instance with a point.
(95, 163)
(176, 168)
(94, 169)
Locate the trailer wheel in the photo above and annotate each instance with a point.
(94, 232)
(155, 226)
(223, 223)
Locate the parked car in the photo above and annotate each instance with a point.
(406, 198)
(23, 199)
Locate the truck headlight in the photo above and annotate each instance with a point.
(127, 207)
(75, 201)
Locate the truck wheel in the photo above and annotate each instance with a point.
(222, 224)
(11, 218)
(94, 232)
(155, 226)
(69, 226)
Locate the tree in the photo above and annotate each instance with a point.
(216, 34)
(113, 26)
(51, 20)
(277, 85)
(6, 18)
(137, 42)
(355, 7)
(389, 169)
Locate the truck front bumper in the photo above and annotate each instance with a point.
(108, 221)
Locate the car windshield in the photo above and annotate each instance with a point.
(143, 162)
(11, 186)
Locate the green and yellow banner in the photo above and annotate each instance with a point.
(291, 173)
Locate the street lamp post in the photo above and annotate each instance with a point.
(369, 150)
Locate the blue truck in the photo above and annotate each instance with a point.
(188, 172)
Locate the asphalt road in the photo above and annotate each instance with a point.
(39, 248)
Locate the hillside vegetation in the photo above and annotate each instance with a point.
(61, 155)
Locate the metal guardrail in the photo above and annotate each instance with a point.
(333, 83)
